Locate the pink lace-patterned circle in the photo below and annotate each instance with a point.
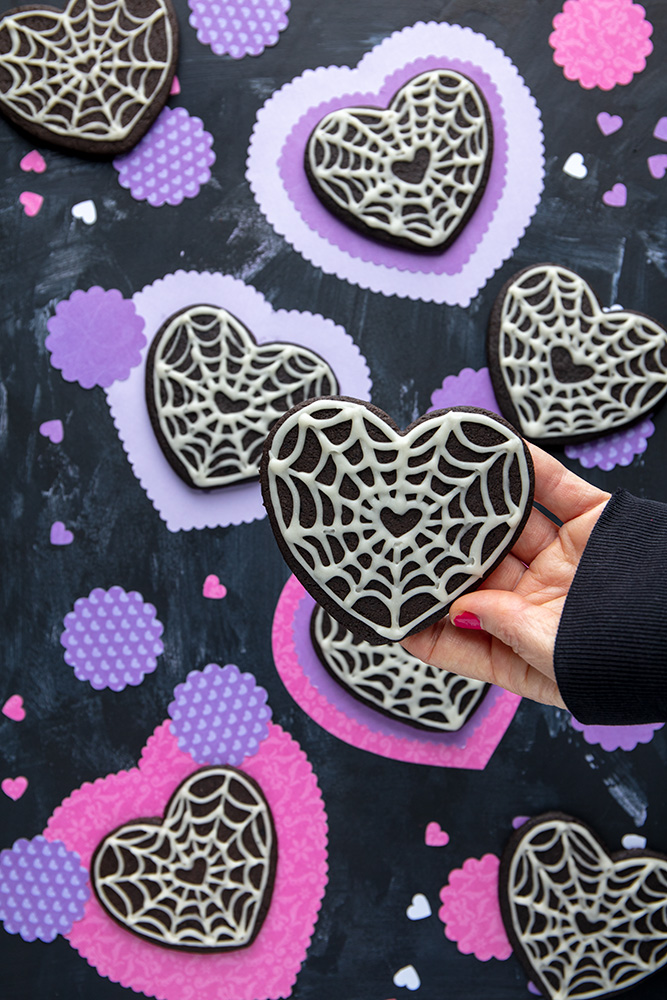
(266, 969)
(601, 43)
(470, 910)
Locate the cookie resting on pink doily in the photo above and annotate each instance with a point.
(470, 910)
(171, 162)
(238, 28)
(95, 337)
(601, 43)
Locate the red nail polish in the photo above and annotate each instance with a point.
(467, 620)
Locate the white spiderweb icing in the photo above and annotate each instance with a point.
(216, 393)
(390, 679)
(90, 71)
(588, 924)
(409, 173)
(202, 878)
(392, 527)
(570, 369)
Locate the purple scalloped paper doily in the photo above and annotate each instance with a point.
(43, 889)
(450, 261)
(95, 337)
(112, 638)
(474, 388)
(238, 28)
(180, 506)
(171, 162)
(350, 706)
(617, 737)
(516, 194)
(219, 715)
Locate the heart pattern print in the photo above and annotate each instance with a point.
(386, 528)
(392, 681)
(413, 173)
(562, 368)
(201, 879)
(213, 393)
(92, 77)
(583, 922)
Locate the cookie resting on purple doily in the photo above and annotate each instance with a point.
(95, 337)
(219, 715)
(171, 162)
(240, 28)
(43, 889)
(112, 638)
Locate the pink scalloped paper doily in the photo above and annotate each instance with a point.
(277, 178)
(267, 969)
(475, 755)
(470, 910)
(180, 506)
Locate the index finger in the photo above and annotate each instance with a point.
(562, 492)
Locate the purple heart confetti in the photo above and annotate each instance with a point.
(660, 130)
(617, 196)
(60, 535)
(657, 165)
(53, 430)
(608, 124)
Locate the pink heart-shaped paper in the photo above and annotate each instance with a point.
(617, 196)
(213, 588)
(435, 836)
(33, 161)
(31, 202)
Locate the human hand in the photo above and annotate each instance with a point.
(504, 633)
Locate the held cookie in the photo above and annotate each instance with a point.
(565, 370)
(413, 173)
(213, 393)
(386, 528)
(92, 77)
(583, 922)
(390, 680)
(201, 878)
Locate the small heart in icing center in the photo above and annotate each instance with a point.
(195, 874)
(412, 171)
(587, 926)
(399, 524)
(564, 367)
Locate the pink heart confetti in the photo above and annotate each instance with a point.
(60, 535)
(657, 165)
(608, 124)
(660, 130)
(213, 588)
(53, 430)
(435, 836)
(617, 196)
(31, 202)
(175, 87)
(33, 161)
(13, 708)
(14, 787)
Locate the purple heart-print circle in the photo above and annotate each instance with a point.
(238, 28)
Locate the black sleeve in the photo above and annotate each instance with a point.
(611, 648)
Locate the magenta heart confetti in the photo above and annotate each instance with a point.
(608, 124)
(60, 535)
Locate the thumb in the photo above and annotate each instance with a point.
(528, 629)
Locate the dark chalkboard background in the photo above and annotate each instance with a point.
(377, 808)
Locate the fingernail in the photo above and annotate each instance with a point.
(467, 620)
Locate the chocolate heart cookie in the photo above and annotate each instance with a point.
(583, 922)
(91, 78)
(413, 173)
(201, 878)
(386, 528)
(392, 681)
(562, 368)
(213, 393)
